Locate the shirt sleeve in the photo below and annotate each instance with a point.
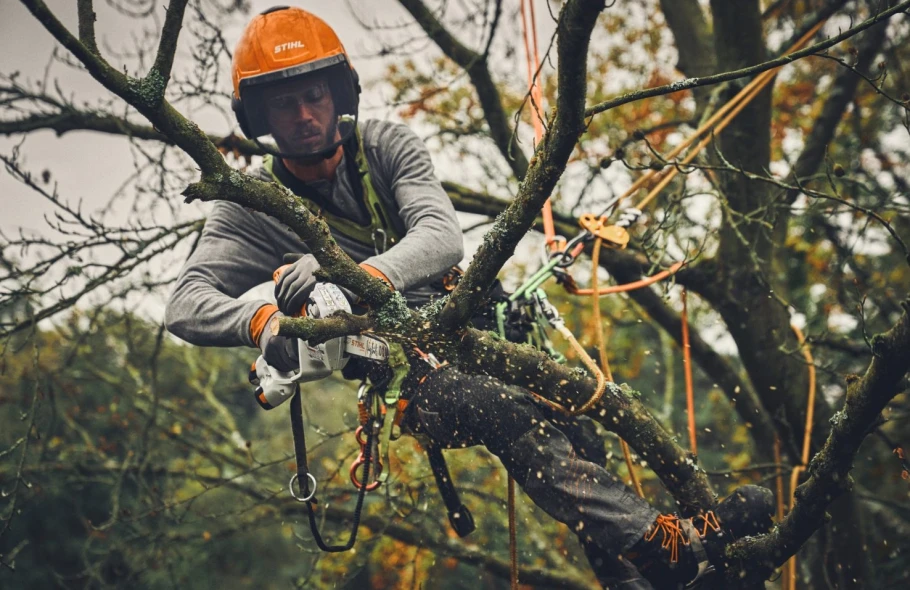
(234, 254)
(433, 242)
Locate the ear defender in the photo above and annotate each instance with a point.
(240, 115)
(356, 77)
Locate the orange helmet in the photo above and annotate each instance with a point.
(295, 92)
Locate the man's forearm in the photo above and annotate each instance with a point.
(202, 316)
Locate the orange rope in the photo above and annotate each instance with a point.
(574, 290)
(779, 480)
(790, 569)
(687, 367)
(513, 537)
(533, 65)
(810, 409)
(627, 455)
(604, 361)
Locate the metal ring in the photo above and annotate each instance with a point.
(291, 488)
(566, 258)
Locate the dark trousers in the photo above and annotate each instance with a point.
(457, 410)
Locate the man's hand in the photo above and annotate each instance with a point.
(295, 284)
(279, 352)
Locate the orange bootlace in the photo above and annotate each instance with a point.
(672, 533)
(709, 520)
(668, 526)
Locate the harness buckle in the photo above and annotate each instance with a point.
(380, 233)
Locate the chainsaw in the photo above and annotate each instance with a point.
(317, 361)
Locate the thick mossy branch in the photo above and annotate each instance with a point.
(619, 410)
(576, 21)
(219, 181)
(829, 470)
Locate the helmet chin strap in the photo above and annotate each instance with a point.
(322, 155)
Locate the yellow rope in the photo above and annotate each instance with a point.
(735, 104)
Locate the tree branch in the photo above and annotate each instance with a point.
(146, 95)
(692, 34)
(68, 118)
(87, 19)
(167, 45)
(475, 65)
(838, 98)
(829, 470)
(619, 410)
(576, 22)
(690, 83)
(219, 181)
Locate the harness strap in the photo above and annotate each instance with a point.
(381, 233)
(398, 363)
(303, 478)
(459, 516)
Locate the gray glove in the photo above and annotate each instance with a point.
(295, 285)
(279, 352)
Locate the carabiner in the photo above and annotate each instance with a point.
(567, 257)
(360, 460)
(385, 241)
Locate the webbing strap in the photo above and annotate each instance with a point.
(398, 363)
(303, 478)
(381, 232)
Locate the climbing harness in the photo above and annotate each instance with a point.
(382, 232)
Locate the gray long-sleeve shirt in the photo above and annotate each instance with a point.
(240, 249)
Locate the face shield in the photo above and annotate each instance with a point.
(302, 112)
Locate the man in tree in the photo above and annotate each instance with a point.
(296, 95)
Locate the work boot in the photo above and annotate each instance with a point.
(676, 552)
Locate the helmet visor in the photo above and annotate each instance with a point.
(302, 112)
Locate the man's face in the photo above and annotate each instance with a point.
(301, 115)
